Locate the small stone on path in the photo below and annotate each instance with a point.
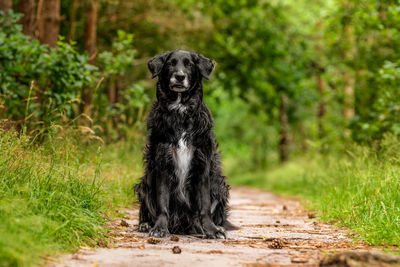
(176, 250)
(174, 238)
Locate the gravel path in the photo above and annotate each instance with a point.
(275, 231)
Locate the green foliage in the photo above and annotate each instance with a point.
(384, 116)
(305, 50)
(54, 197)
(45, 200)
(121, 56)
(258, 59)
(356, 190)
(263, 48)
(259, 53)
(127, 110)
(250, 143)
(42, 86)
(38, 83)
(373, 38)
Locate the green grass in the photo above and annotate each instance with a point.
(56, 197)
(355, 189)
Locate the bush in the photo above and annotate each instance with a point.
(117, 116)
(384, 116)
(38, 84)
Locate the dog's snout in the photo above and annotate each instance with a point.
(179, 81)
(180, 77)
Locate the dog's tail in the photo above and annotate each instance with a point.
(230, 226)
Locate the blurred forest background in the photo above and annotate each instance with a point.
(291, 76)
(314, 83)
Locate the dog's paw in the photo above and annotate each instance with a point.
(218, 232)
(221, 233)
(158, 232)
(144, 227)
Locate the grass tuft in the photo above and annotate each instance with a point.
(55, 197)
(359, 190)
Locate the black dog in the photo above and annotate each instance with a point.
(183, 189)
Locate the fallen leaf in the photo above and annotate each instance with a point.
(124, 223)
(299, 260)
(152, 240)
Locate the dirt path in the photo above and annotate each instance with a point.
(275, 231)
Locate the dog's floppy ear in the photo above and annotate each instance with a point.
(206, 66)
(155, 64)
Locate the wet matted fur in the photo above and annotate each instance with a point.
(183, 189)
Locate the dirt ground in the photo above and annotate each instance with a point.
(275, 231)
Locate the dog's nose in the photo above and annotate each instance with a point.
(179, 77)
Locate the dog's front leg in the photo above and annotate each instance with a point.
(210, 229)
(160, 228)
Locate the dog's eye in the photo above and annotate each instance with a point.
(172, 62)
(187, 63)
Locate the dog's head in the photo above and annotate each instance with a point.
(180, 70)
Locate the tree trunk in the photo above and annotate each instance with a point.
(5, 5)
(348, 92)
(91, 29)
(72, 19)
(321, 106)
(91, 48)
(118, 92)
(28, 8)
(319, 70)
(284, 142)
(48, 21)
(349, 51)
(303, 137)
(114, 89)
(112, 92)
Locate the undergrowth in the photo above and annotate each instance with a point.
(56, 196)
(358, 189)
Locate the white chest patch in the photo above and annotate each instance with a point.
(182, 158)
(177, 105)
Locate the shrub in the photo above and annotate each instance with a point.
(38, 84)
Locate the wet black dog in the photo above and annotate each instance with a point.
(183, 189)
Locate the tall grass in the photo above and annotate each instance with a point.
(55, 197)
(359, 188)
